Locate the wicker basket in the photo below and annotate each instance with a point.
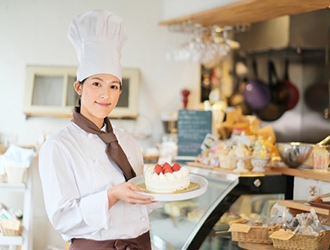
(11, 228)
(304, 242)
(256, 234)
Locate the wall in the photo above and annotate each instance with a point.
(289, 38)
(35, 32)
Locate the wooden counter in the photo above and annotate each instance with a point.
(304, 173)
(268, 171)
(297, 172)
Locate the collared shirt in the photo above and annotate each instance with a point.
(76, 173)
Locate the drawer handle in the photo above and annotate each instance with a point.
(257, 183)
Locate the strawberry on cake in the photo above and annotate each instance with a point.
(166, 178)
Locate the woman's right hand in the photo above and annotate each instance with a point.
(127, 192)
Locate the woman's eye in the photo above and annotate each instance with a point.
(96, 84)
(114, 87)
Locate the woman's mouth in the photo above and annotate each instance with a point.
(103, 104)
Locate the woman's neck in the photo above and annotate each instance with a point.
(99, 122)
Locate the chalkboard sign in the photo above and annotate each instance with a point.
(193, 126)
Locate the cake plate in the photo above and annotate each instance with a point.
(200, 181)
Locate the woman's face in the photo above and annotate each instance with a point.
(99, 96)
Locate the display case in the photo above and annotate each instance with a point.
(199, 223)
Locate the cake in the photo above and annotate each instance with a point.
(166, 178)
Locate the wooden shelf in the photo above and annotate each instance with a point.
(304, 173)
(245, 174)
(250, 11)
(303, 206)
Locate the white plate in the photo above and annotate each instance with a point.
(179, 196)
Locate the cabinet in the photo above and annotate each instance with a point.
(194, 224)
(25, 240)
(49, 92)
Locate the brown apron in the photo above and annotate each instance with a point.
(141, 242)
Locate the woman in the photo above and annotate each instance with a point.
(85, 167)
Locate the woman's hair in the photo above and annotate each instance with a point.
(81, 83)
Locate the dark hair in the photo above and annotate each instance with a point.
(79, 101)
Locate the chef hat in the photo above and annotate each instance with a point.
(98, 37)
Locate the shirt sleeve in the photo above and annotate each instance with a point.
(69, 213)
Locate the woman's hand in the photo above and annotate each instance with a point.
(126, 192)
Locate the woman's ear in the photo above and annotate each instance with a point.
(77, 87)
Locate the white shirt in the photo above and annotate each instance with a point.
(76, 173)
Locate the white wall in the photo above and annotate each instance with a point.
(35, 32)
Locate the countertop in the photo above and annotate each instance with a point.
(297, 172)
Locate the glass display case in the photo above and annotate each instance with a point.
(202, 222)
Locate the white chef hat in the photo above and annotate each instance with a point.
(98, 37)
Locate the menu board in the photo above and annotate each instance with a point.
(193, 126)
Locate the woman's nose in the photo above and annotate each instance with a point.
(105, 93)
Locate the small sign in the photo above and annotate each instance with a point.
(241, 228)
(282, 235)
(193, 126)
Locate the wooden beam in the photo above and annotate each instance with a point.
(250, 11)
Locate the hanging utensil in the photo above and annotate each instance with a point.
(256, 93)
(279, 97)
(317, 95)
(292, 89)
(326, 112)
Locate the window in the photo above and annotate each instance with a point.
(49, 92)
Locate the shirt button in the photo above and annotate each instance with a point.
(96, 161)
(90, 136)
(142, 219)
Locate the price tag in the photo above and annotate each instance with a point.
(241, 228)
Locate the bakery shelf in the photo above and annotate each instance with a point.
(13, 186)
(194, 224)
(11, 240)
(300, 206)
(24, 241)
(250, 11)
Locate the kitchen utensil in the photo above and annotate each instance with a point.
(293, 154)
(326, 112)
(279, 97)
(325, 205)
(319, 197)
(256, 93)
(325, 141)
(316, 97)
(292, 89)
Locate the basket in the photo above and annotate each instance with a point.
(256, 234)
(11, 228)
(2, 177)
(15, 174)
(304, 242)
